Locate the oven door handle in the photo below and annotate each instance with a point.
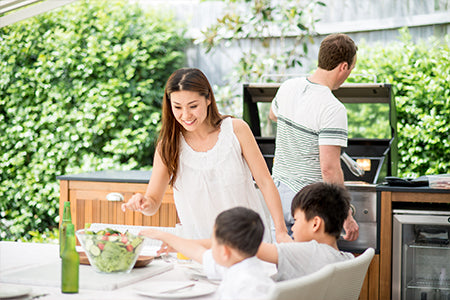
(423, 219)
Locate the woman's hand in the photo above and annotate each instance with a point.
(137, 203)
(283, 237)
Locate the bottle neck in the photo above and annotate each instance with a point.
(67, 217)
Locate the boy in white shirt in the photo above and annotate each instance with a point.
(237, 235)
(319, 211)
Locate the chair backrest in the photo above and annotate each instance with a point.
(348, 277)
(308, 287)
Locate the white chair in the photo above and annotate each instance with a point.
(309, 287)
(348, 277)
(338, 281)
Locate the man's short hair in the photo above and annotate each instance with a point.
(335, 49)
(240, 228)
(330, 202)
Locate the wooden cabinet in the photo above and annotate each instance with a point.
(88, 192)
(370, 288)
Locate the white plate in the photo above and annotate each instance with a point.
(12, 291)
(156, 289)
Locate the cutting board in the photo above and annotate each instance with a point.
(50, 275)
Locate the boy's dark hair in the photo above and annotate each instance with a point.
(329, 201)
(240, 228)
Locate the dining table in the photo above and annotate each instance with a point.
(33, 271)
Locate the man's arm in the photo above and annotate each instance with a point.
(272, 115)
(330, 165)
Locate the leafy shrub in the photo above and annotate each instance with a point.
(48, 237)
(420, 76)
(280, 30)
(80, 90)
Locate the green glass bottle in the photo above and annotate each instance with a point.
(70, 264)
(67, 219)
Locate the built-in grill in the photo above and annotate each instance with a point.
(376, 156)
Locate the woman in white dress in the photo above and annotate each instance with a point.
(210, 160)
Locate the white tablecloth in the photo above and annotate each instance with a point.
(16, 257)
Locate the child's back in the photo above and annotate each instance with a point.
(237, 235)
(319, 211)
(248, 279)
(300, 259)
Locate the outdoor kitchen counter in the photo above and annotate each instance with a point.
(96, 197)
(412, 190)
(399, 197)
(131, 176)
(88, 193)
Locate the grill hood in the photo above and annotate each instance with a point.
(378, 157)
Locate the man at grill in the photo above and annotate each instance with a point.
(312, 126)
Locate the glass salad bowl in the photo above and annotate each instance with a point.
(109, 250)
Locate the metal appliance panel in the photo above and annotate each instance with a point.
(364, 205)
(399, 266)
(364, 200)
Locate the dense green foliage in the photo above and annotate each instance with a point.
(80, 90)
(368, 120)
(420, 75)
(271, 37)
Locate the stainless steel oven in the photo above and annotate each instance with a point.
(420, 255)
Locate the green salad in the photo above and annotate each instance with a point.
(111, 251)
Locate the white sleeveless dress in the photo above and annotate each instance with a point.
(210, 182)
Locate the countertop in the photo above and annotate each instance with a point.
(420, 189)
(132, 176)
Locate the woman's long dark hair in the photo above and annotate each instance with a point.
(186, 79)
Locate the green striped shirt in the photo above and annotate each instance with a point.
(308, 116)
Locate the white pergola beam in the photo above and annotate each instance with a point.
(17, 13)
(9, 5)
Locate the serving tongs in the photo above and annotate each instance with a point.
(352, 165)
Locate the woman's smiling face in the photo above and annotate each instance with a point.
(189, 108)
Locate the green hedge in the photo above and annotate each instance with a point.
(420, 75)
(80, 90)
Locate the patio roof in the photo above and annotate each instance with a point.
(12, 11)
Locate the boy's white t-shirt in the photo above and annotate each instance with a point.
(245, 280)
(302, 258)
